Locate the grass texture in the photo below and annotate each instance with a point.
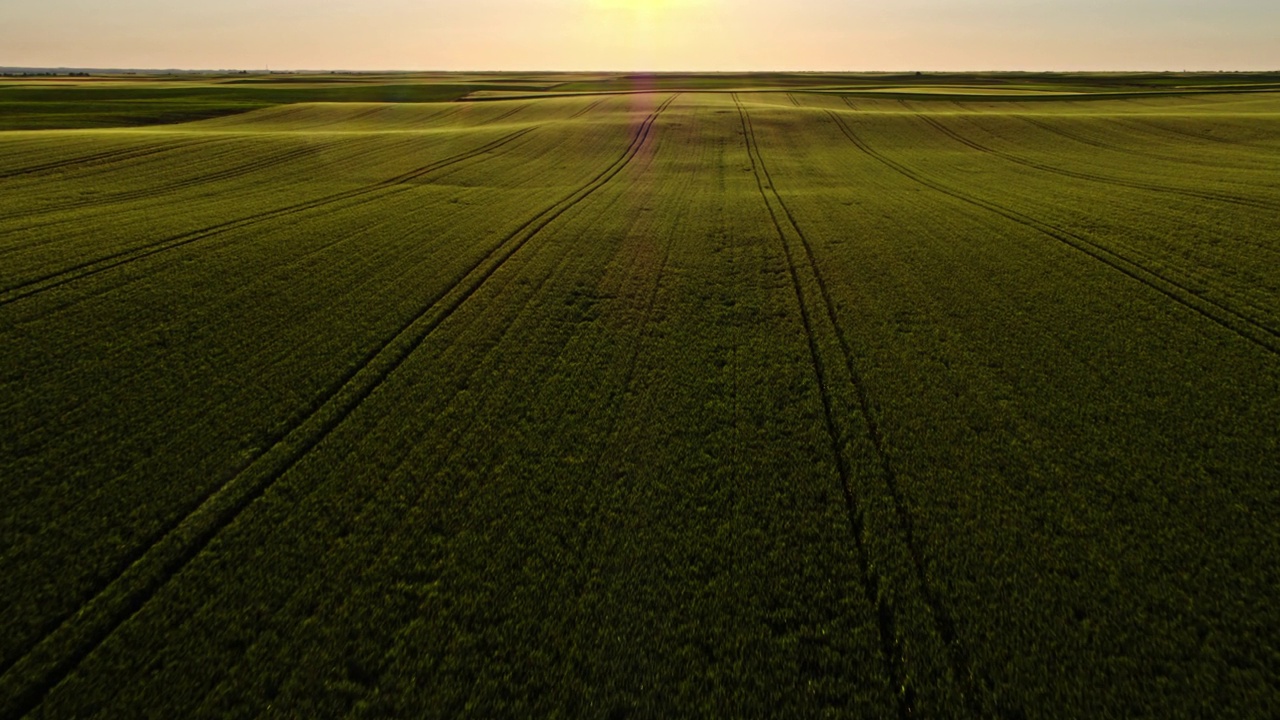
(732, 396)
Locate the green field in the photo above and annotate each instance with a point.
(596, 396)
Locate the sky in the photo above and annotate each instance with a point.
(654, 35)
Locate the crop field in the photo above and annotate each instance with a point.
(603, 396)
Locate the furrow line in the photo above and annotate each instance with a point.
(67, 275)
(1199, 195)
(893, 655)
(1248, 329)
(50, 660)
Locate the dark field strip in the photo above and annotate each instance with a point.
(147, 572)
(672, 404)
(1246, 328)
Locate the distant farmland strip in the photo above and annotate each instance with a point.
(1261, 335)
(47, 282)
(47, 663)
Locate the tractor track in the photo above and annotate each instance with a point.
(1135, 184)
(365, 507)
(75, 636)
(1146, 155)
(1246, 328)
(1184, 135)
(944, 624)
(587, 109)
(172, 188)
(398, 529)
(47, 282)
(510, 113)
(101, 158)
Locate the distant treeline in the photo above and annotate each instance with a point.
(44, 74)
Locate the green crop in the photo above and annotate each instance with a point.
(589, 395)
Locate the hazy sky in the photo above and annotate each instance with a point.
(644, 34)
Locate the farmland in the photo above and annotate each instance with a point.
(865, 396)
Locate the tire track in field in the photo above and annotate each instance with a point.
(232, 173)
(494, 121)
(101, 158)
(49, 281)
(363, 514)
(1243, 326)
(893, 656)
(1162, 155)
(397, 528)
(943, 622)
(358, 115)
(296, 262)
(73, 637)
(52, 626)
(587, 109)
(1146, 155)
(1047, 127)
(449, 113)
(1091, 177)
(1152, 125)
(615, 400)
(257, 165)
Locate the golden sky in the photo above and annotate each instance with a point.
(643, 34)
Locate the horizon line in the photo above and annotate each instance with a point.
(631, 71)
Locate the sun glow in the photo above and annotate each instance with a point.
(646, 33)
(649, 4)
